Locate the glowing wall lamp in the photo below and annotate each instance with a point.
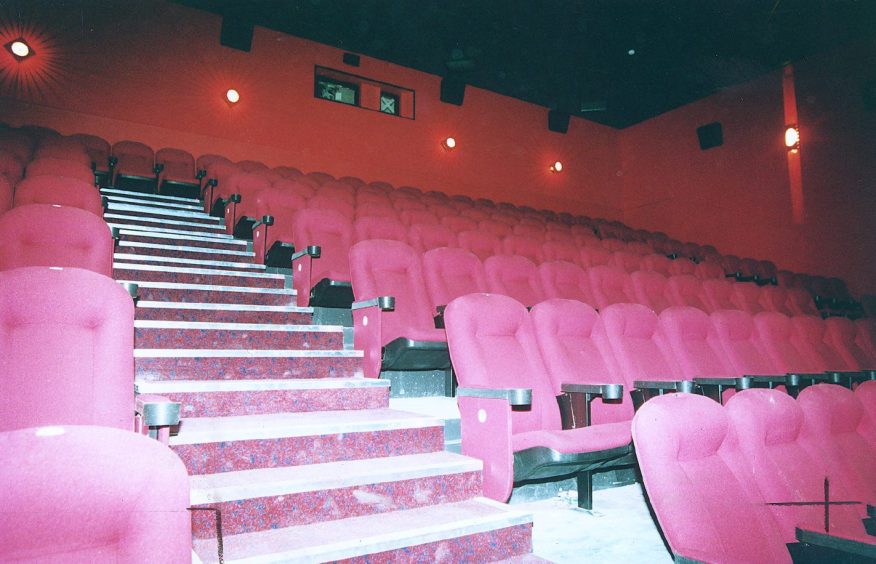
(232, 96)
(792, 138)
(557, 167)
(19, 49)
(449, 144)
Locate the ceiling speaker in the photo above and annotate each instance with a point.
(452, 90)
(236, 34)
(558, 121)
(710, 135)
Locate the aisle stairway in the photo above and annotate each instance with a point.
(280, 431)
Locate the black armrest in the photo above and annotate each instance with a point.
(157, 411)
(314, 251)
(686, 386)
(607, 391)
(158, 168)
(234, 198)
(132, 289)
(871, 511)
(514, 396)
(265, 220)
(200, 174)
(833, 542)
(113, 161)
(572, 403)
(116, 234)
(385, 303)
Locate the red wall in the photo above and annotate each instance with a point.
(737, 196)
(155, 72)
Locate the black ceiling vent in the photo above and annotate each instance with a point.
(558, 121)
(452, 90)
(710, 135)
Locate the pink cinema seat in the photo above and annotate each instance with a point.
(288, 171)
(566, 280)
(278, 207)
(295, 186)
(46, 166)
(800, 302)
(561, 250)
(402, 337)
(422, 217)
(709, 269)
(594, 256)
(216, 179)
(52, 235)
(176, 172)
(376, 209)
(626, 261)
(610, 285)
(84, 494)
(523, 247)
(6, 194)
(746, 296)
(482, 244)
(498, 364)
(775, 298)
(251, 166)
(322, 279)
(717, 294)
(497, 228)
(450, 273)
(238, 197)
(681, 266)
(649, 288)
(514, 276)
(98, 150)
(337, 190)
(686, 290)
(64, 148)
(656, 263)
(425, 237)
(840, 333)
(808, 335)
(11, 166)
(58, 190)
(366, 228)
(134, 166)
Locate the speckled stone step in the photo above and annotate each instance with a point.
(120, 219)
(189, 240)
(223, 313)
(272, 498)
(218, 398)
(210, 445)
(132, 198)
(142, 258)
(161, 212)
(208, 335)
(207, 293)
(191, 275)
(151, 198)
(184, 251)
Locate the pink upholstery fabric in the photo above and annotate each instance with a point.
(694, 474)
(632, 333)
(295, 186)
(458, 223)
(404, 202)
(422, 217)
(866, 394)
(97, 148)
(5, 194)
(58, 190)
(630, 262)
(18, 143)
(649, 288)
(656, 263)
(610, 285)
(529, 231)
(366, 228)
(773, 331)
(746, 296)
(179, 165)
(46, 166)
(288, 171)
(582, 439)
(81, 494)
(682, 265)
(64, 148)
(800, 302)
(251, 166)
(499, 229)
(333, 233)
(321, 202)
(51, 235)
(575, 350)
(11, 166)
(685, 331)
(717, 294)
(865, 336)
(775, 298)
(840, 334)
(66, 349)
(613, 245)
(686, 290)
(523, 247)
(733, 331)
(561, 250)
(709, 270)
(337, 190)
(480, 243)
(808, 337)
(425, 237)
(567, 280)
(514, 276)
(134, 159)
(450, 273)
(282, 205)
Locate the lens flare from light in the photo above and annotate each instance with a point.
(233, 96)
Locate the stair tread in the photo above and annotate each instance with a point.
(199, 430)
(108, 191)
(355, 536)
(265, 482)
(194, 206)
(161, 221)
(234, 326)
(184, 248)
(205, 238)
(219, 235)
(208, 386)
(190, 270)
(157, 210)
(245, 353)
(213, 287)
(195, 262)
(224, 307)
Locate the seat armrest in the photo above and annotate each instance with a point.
(315, 251)
(514, 396)
(158, 168)
(155, 415)
(607, 391)
(871, 511)
(575, 408)
(845, 545)
(384, 303)
(132, 289)
(685, 386)
(265, 220)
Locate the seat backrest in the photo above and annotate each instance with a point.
(514, 276)
(808, 337)
(402, 202)
(251, 166)
(746, 296)
(865, 336)
(775, 298)
(685, 331)
(6, 195)
(733, 332)
(422, 217)
(390, 268)
(481, 243)
(339, 190)
(245, 184)
(365, 228)
(98, 149)
(274, 200)
(564, 250)
(696, 483)
(11, 166)
(450, 273)
(656, 263)
(52, 235)
(524, 247)
(530, 231)
(594, 256)
(459, 223)
(682, 265)
(575, 350)
(66, 349)
(203, 161)
(425, 237)
(64, 148)
(800, 302)
(180, 162)
(709, 270)
(768, 425)
(90, 484)
(610, 285)
(632, 334)
(649, 288)
(566, 280)
(322, 202)
(840, 334)
(718, 293)
(46, 166)
(288, 171)
(492, 345)
(630, 262)
(333, 233)
(497, 228)
(134, 157)
(774, 331)
(686, 290)
(295, 186)
(58, 190)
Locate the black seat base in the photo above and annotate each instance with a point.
(179, 189)
(332, 293)
(143, 184)
(407, 354)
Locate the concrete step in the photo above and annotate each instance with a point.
(207, 293)
(161, 212)
(149, 334)
(187, 240)
(232, 364)
(274, 498)
(189, 275)
(475, 530)
(184, 251)
(210, 445)
(131, 221)
(188, 262)
(150, 198)
(223, 313)
(216, 398)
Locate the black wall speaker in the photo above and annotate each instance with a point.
(558, 121)
(351, 59)
(236, 34)
(452, 90)
(710, 135)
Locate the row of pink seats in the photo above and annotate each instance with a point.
(750, 481)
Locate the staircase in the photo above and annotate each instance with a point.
(280, 431)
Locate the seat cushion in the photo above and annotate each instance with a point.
(584, 439)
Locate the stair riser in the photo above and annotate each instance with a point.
(189, 278)
(160, 213)
(489, 546)
(182, 254)
(139, 223)
(213, 458)
(219, 404)
(246, 368)
(218, 244)
(214, 296)
(189, 263)
(224, 316)
(260, 514)
(171, 338)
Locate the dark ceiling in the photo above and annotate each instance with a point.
(616, 62)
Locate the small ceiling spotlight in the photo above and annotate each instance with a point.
(20, 49)
(232, 96)
(449, 144)
(557, 167)
(792, 138)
